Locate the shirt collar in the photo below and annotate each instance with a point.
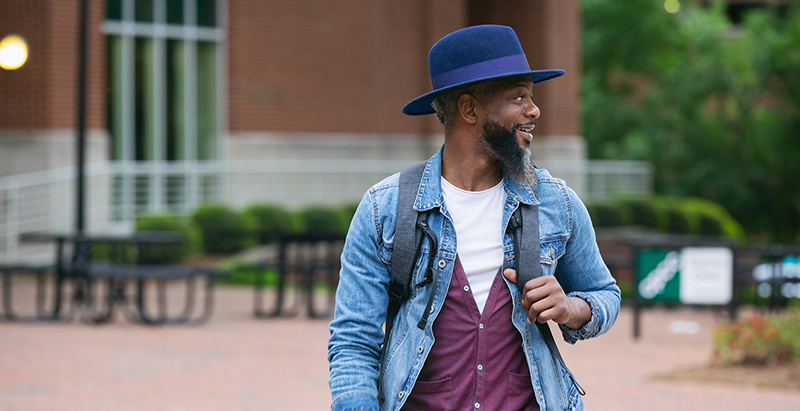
(430, 196)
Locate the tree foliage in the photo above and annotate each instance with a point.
(714, 106)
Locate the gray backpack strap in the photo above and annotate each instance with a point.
(406, 235)
(406, 238)
(526, 245)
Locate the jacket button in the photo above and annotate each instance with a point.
(477, 405)
(442, 263)
(400, 395)
(466, 288)
(480, 367)
(420, 349)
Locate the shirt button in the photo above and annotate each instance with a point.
(477, 405)
(480, 367)
(442, 263)
(420, 349)
(466, 288)
(480, 326)
(401, 394)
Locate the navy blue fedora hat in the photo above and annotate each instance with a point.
(472, 55)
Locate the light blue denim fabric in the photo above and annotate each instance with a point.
(568, 251)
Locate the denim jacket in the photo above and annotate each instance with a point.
(568, 251)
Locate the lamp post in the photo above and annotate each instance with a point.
(81, 131)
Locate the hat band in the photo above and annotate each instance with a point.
(499, 66)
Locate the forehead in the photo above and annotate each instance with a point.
(502, 85)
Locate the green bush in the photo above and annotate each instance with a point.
(713, 219)
(789, 324)
(605, 215)
(245, 274)
(678, 222)
(346, 213)
(124, 253)
(322, 220)
(643, 213)
(222, 230)
(757, 339)
(669, 215)
(168, 253)
(270, 222)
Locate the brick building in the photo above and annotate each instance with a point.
(291, 102)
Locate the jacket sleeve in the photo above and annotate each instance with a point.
(583, 274)
(361, 303)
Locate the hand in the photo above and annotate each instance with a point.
(545, 300)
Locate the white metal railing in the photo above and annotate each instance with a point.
(43, 202)
(606, 179)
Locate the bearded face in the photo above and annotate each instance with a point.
(502, 144)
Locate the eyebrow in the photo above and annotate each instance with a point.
(519, 84)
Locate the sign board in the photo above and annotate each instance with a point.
(692, 275)
(781, 278)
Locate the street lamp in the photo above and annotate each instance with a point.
(13, 52)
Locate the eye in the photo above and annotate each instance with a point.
(519, 98)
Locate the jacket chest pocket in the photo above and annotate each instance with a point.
(550, 250)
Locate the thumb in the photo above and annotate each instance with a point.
(511, 274)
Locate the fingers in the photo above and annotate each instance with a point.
(545, 300)
(511, 274)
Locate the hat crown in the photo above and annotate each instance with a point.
(472, 45)
(471, 55)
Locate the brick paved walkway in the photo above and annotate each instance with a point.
(236, 362)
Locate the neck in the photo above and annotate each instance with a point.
(468, 167)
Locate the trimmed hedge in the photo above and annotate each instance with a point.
(669, 215)
(271, 221)
(168, 253)
(323, 220)
(346, 213)
(223, 231)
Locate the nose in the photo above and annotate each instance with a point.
(532, 110)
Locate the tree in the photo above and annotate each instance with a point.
(715, 108)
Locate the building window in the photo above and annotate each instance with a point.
(164, 99)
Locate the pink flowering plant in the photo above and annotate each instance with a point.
(757, 339)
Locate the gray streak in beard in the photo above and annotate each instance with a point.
(502, 144)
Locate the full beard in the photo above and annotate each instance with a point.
(501, 143)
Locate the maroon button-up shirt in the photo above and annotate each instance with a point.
(477, 360)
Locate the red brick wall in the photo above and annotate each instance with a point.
(549, 31)
(23, 91)
(333, 66)
(42, 93)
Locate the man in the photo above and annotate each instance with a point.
(479, 348)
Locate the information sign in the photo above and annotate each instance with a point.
(692, 275)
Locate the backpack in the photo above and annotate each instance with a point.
(412, 225)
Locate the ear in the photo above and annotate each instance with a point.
(467, 108)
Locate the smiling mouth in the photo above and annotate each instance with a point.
(526, 130)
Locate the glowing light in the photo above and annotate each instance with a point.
(13, 52)
(672, 6)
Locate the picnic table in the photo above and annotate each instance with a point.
(87, 278)
(308, 260)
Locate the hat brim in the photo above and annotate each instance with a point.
(422, 104)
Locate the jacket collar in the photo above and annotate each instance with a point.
(430, 196)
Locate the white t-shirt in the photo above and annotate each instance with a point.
(478, 217)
